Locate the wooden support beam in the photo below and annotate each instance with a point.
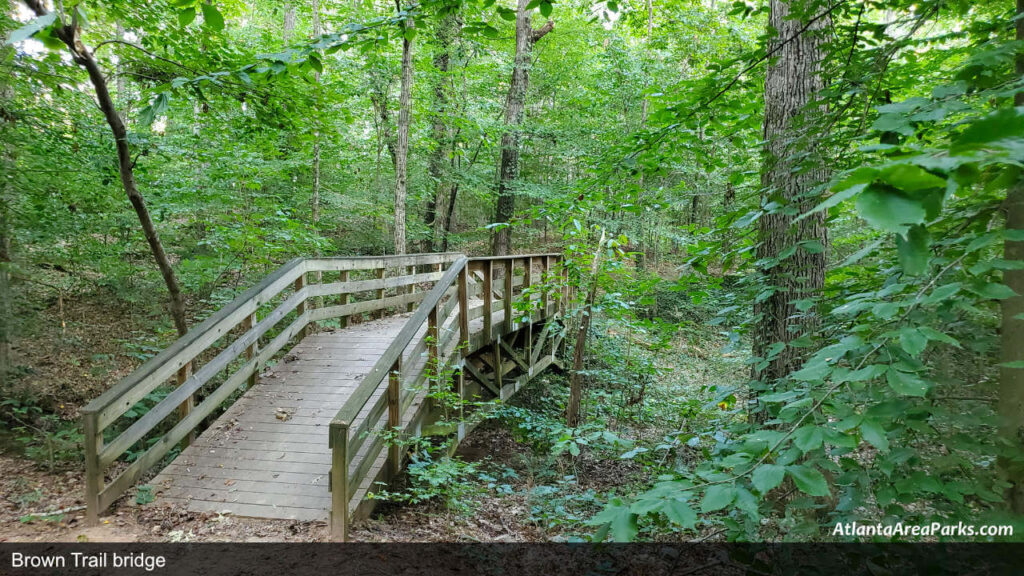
(338, 483)
(395, 414)
(528, 283)
(186, 407)
(499, 370)
(300, 283)
(343, 299)
(380, 293)
(515, 357)
(488, 272)
(539, 347)
(510, 269)
(252, 349)
(480, 377)
(412, 289)
(93, 473)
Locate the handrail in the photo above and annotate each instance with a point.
(382, 367)
(178, 358)
(352, 452)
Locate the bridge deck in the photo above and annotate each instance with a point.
(267, 456)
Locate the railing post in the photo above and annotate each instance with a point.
(300, 283)
(412, 289)
(93, 474)
(395, 415)
(381, 272)
(463, 332)
(463, 295)
(186, 407)
(343, 299)
(434, 358)
(510, 268)
(527, 284)
(339, 481)
(252, 349)
(545, 272)
(488, 270)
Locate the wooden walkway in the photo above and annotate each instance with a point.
(267, 456)
(301, 439)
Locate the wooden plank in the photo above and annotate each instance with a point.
(253, 510)
(175, 472)
(198, 488)
(372, 262)
(224, 495)
(480, 377)
(354, 287)
(329, 312)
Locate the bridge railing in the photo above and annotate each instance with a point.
(438, 331)
(194, 377)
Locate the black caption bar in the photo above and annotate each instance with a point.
(395, 559)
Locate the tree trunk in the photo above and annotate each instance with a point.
(435, 213)
(792, 81)
(1011, 380)
(315, 198)
(7, 168)
(289, 23)
(69, 34)
(515, 106)
(402, 143)
(572, 409)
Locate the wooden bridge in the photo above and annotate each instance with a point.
(297, 432)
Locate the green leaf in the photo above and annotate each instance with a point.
(913, 341)
(1016, 364)
(31, 28)
(906, 384)
(506, 14)
(934, 334)
(545, 9)
(808, 438)
(767, 477)
(910, 178)
(679, 512)
(315, 63)
(808, 480)
(186, 16)
(996, 291)
(717, 497)
(914, 251)
(212, 17)
(874, 433)
(889, 210)
(623, 527)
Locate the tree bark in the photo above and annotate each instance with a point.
(515, 106)
(435, 215)
(572, 409)
(402, 143)
(69, 34)
(315, 198)
(1011, 380)
(7, 168)
(792, 167)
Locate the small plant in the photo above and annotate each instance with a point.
(45, 437)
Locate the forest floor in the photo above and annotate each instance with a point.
(505, 490)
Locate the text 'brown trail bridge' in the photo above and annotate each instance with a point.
(301, 439)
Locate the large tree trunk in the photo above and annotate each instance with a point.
(515, 106)
(402, 143)
(1011, 380)
(69, 34)
(792, 81)
(7, 168)
(435, 214)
